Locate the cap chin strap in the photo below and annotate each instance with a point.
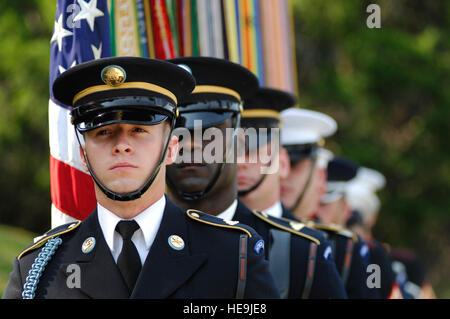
(198, 195)
(307, 184)
(193, 196)
(245, 192)
(123, 197)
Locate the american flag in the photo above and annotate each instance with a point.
(81, 33)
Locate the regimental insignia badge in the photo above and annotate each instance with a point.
(88, 245)
(176, 242)
(259, 246)
(113, 75)
(327, 253)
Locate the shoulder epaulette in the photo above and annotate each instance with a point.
(334, 228)
(286, 224)
(216, 221)
(41, 240)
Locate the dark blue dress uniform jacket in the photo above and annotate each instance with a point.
(207, 267)
(326, 281)
(380, 256)
(356, 283)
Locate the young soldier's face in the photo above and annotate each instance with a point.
(294, 184)
(250, 169)
(336, 212)
(123, 156)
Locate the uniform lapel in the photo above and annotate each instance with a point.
(243, 214)
(166, 268)
(287, 213)
(100, 276)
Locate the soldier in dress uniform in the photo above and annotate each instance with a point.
(302, 135)
(332, 216)
(403, 273)
(217, 101)
(411, 274)
(303, 132)
(137, 243)
(361, 195)
(365, 205)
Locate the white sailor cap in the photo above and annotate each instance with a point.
(362, 199)
(300, 126)
(323, 157)
(370, 178)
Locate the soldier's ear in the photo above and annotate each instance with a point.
(172, 150)
(83, 160)
(346, 210)
(322, 175)
(284, 163)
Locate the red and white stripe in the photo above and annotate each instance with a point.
(72, 188)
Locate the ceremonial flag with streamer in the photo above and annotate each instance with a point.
(162, 34)
(255, 33)
(81, 33)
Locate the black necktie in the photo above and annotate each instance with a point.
(129, 262)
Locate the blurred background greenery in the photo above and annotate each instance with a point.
(387, 88)
(389, 91)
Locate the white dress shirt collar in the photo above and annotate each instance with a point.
(148, 220)
(228, 213)
(275, 210)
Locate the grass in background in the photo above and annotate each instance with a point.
(12, 242)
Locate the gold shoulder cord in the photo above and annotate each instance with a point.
(42, 241)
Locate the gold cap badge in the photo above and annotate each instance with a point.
(113, 75)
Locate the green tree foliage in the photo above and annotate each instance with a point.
(388, 88)
(25, 32)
